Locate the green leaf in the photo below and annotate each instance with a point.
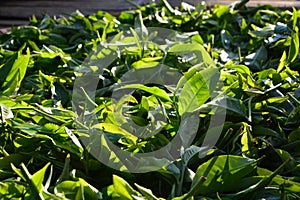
(264, 131)
(139, 120)
(54, 39)
(223, 172)
(27, 32)
(147, 193)
(246, 140)
(191, 152)
(221, 10)
(123, 189)
(74, 139)
(232, 105)
(112, 128)
(193, 51)
(152, 90)
(239, 68)
(38, 178)
(17, 171)
(32, 129)
(144, 64)
(284, 155)
(65, 174)
(78, 190)
(278, 181)
(195, 92)
(13, 72)
(295, 18)
(294, 116)
(32, 184)
(294, 47)
(251, 191)
(264, 32)
(144, 105)
(210, 75)
(282, 63)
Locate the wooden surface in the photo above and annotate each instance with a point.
(18, 12)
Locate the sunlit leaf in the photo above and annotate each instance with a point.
(223, 172)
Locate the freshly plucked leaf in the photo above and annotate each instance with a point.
(152, 90)
(195, 92)
(123, 189)
(222, 172)
(13, 72)
(231, 105)
(294, 47)
(175, 77)
(38, 178)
